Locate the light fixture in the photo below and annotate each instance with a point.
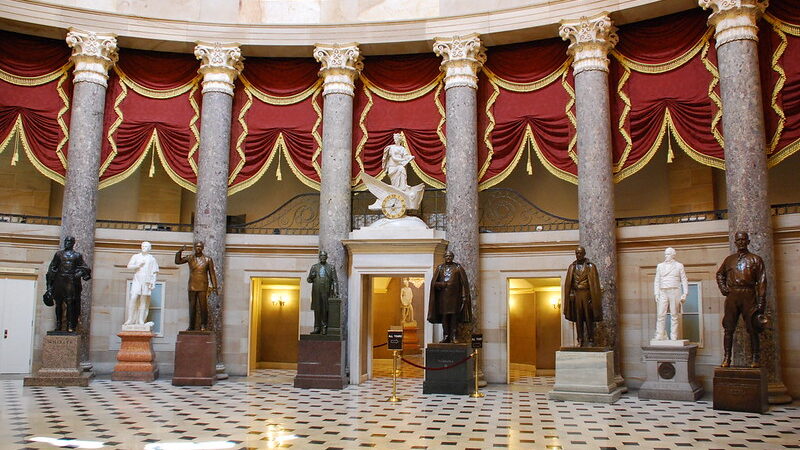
(278, 300)
(555, 301)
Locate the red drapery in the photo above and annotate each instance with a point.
(35, 94)
(525, 99)
(779, 61)
(276, 115)
(664, 84)
(152, 108)
(400, 94)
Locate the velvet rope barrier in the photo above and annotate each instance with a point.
(439, 368)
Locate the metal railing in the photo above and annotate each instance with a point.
(509, 212)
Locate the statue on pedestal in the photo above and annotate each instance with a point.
(144, 280)
(583, 297)
(201, 271)
(64, 285)
(407, 305)
(670, 288)
(742, 279)
(324, 285)
(450, 302)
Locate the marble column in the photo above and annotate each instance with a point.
(220, 65)
(93, 54)
(341, 64)
(736, 34)
(591, 38)
(462, 58)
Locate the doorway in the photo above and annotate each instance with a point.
(534, 328)
(396, 302)
(274, 323)
(17, 307)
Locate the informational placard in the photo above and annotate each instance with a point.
(395, 340)
(477, 341)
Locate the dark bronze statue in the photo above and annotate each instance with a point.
(64, 285)
(201, 270)
(743, 281)
(450, 302)
(324, 285)
(583, 297)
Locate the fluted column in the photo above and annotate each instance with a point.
(93, 54)
(341, 64)
(591, 38)
(736, 34)
(462, 58)
(220, 65)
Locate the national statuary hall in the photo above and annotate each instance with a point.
(399, 224)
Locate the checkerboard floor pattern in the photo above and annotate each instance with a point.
(266, 411)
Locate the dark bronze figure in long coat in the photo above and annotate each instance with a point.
(64, 285)
(324, 285)
(583, 297)
(450, 302)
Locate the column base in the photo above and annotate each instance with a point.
(778, 394)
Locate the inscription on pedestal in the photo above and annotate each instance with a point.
(740, 389)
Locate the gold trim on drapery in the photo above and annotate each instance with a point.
(780, 28)
(155, 93)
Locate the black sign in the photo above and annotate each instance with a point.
(477, 341)
(395, 339)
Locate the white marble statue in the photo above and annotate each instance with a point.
(144, 280)
(670, 289)
(395, 159)
(406, 304)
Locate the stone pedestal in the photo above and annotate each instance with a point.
(195, 359)
(741, 389)
(670, 373)
(669, 343)
(411, 341)
(319, 362)
(459, 380)
(136, 357)
(60, 362)
(585, 374)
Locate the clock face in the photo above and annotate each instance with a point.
(393, 206)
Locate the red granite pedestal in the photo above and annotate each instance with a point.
(136, 357)
(60, 362)
(320, 362)
(195, 359)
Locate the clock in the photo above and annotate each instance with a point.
(394, 206)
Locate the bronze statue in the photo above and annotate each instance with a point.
(583, 297)
(743, 281)
(201, 270)
(64, 285)
(324, 285)
(450, 301)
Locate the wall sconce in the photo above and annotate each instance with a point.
(555, 301)
(278, 300)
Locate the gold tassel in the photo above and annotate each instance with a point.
(278, 172)
(15, 155)
(528, 166)
(670, 154)
(152, 160)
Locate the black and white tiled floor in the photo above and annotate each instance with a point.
(266, 411)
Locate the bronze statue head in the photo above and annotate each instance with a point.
(580, 253)
(323, 257)
(198, 248)
(741, 239)
(448, 257)
(69, 243)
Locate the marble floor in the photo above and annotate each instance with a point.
(265, 411)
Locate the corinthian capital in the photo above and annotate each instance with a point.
(734, 20)
(590, 38)
(220, 64)
(341, 64)
(462, 58)
(93, 54)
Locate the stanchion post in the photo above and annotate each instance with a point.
(395, 342)
(477, 343)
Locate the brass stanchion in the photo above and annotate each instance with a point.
(476, 393)
(394, 398)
